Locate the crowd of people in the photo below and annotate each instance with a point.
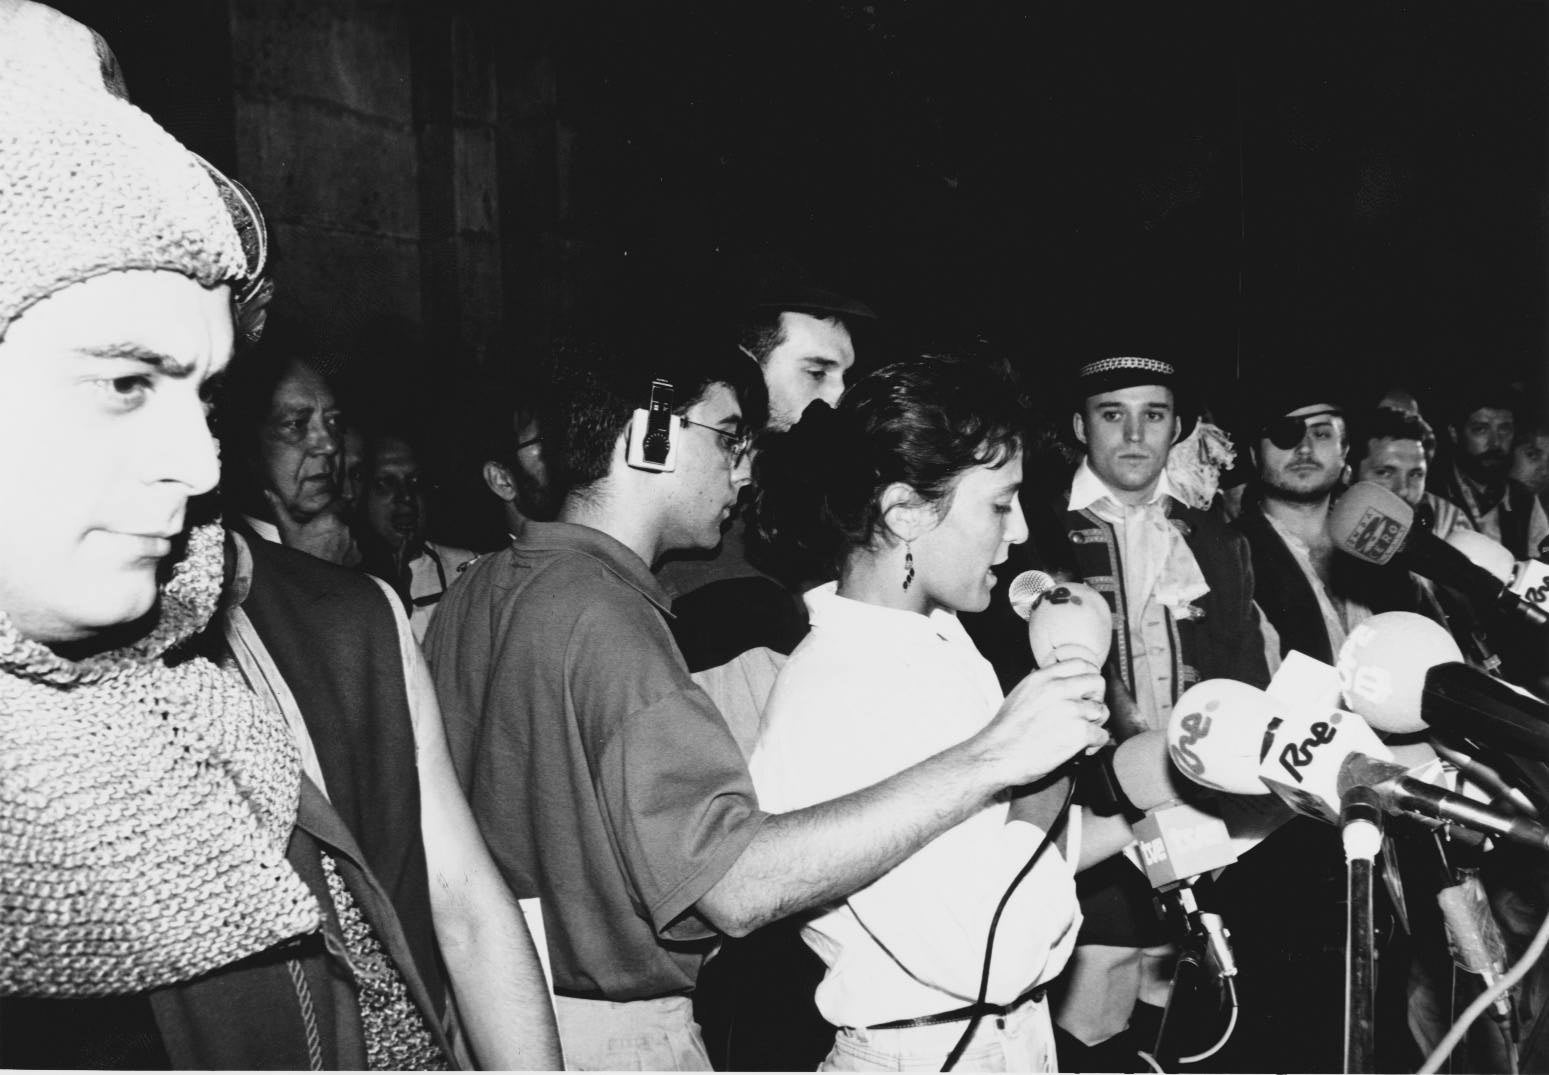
(737, 696)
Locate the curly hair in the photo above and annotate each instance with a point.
(922, 421)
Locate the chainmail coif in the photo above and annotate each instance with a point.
(146, 799)
(89, 184)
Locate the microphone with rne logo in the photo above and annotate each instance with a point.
(1065, 620)
(1313, 758)
(1316, 760)
(1372, 524)
(1217, 734)
(1528, 580)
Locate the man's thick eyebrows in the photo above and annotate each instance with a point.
(1104, 403)
(826, 361)
(138, 352)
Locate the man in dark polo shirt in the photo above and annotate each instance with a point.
(603, 777)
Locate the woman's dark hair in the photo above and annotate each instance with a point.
(922, 421)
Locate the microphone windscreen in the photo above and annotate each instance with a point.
(1370, 522)
(1217, 735)
(1483, 552)
(1382, 668)
(1144, 771)
(1070, 622)
(1025, 589)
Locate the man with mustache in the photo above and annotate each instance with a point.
(1478, 478)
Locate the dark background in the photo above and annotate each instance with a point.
(1349, 190)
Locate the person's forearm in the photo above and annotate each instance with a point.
(1102, 837)
(489, 954)
(810, 857)
(502, 995)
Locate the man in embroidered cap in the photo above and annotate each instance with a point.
(1181, 588)
(174, 890)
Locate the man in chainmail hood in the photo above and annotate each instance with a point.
(174, 888)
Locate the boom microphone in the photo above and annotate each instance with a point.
(1065, 620)
(1372, 524)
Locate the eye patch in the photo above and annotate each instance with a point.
(1286, 433)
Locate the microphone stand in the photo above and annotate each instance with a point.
(1360, 822)
(1203, 955)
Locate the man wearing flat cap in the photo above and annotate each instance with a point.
(1181, 589)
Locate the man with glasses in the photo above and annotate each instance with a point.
(605, 780)
(735, 598)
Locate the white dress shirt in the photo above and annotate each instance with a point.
(870, 692)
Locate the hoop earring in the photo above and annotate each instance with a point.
(908, 565)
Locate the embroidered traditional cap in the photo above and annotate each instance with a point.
(89, 184)
(1123, 371)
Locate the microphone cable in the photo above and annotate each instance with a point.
(989, 941)
(1501, 988)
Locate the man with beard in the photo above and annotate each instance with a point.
(1478, 481)
(1289, 929)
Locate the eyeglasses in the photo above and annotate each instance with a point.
(735, 445)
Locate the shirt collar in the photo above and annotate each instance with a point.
(824, 605)
(1086, 488)
(613, 554)
(263, 528)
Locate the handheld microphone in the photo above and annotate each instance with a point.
(1177, 841)
(1315, 762)
(1528, 579)
(1404, 673)
(1372, 524)
(1065, 620)
(1382, 668)
(1312, 759)
(1218, 732)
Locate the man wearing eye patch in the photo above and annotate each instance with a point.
(1289, 930)
(1298, 446)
